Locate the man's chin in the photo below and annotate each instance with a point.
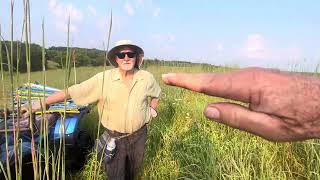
(127, 68)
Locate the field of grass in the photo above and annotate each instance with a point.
(183, 144)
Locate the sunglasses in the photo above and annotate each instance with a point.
(123, 54)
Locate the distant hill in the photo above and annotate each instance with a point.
(82, 56)
(55, 57)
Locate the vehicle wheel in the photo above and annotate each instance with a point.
(85, 141)
(83, 146)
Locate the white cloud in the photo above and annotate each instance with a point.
(129, 9)
(52, 3)
(292, 53)
(119, 23)
(64, 27)
(101, 23)
(141, 2)
(255, 47)
(295, 52)
(92, 10)
(220, 47)
(168, 48)
(144, 2)
(133, 6)
(156, 12)
(171, 37)
(163, 44)
(163, 38)
(62, 12)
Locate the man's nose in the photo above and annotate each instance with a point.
(126, 58)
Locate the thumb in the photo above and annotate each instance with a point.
(240, 117)
(24, 110)
(26, 114)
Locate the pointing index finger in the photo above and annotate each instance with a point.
(236, 85)
(192, 82)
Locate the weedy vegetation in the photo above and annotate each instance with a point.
(182, 143)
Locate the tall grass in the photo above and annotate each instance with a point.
(7, 173)
(54, 161)
(28, 60)
(44, 126)
(94, 165)
(182, 143)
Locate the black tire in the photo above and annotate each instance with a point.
(84, 141)
(82, 147)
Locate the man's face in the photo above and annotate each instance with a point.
(126, 58)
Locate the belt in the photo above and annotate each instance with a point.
(120, 135)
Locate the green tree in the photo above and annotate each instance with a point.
(20, 51)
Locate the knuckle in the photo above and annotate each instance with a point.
(313, 132)
(255, 99)
(203, 87)
(235, 119)
(293, 133)
(207, 83)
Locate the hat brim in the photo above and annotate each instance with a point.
(112, 54)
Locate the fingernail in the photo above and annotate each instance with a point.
(212, 113)
(166, 76)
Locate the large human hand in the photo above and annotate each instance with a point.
(283, 106)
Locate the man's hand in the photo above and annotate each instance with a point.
(35, 106)
(153, 112)
(283, 106)
(153, 106)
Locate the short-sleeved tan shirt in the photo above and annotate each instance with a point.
(122, 109)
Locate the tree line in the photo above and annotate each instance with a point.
(81, 57)
(18, 59)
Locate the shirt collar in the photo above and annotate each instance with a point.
(115, 75)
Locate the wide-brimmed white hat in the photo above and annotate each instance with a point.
(112, 53)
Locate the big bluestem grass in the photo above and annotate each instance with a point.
(6, 173)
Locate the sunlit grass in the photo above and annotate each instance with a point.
(181, 143)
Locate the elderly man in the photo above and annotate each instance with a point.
(127, 99)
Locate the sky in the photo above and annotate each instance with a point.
(278, 34)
